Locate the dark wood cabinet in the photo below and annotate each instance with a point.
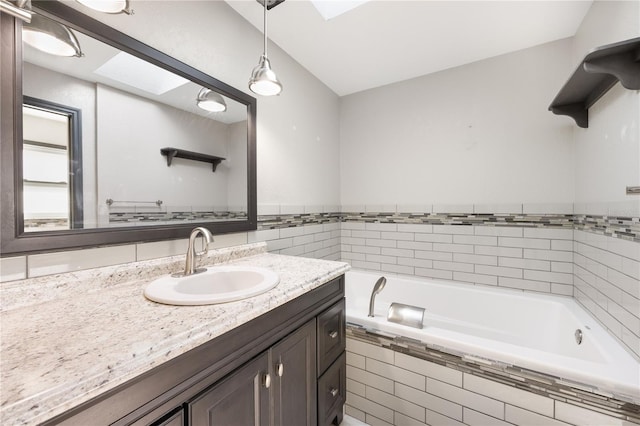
(242, 399)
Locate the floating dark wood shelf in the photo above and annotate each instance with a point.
(172, 153)
(598, 72)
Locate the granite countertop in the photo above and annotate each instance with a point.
(70, 337)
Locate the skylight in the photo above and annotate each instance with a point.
(140, 74)
(329, 9)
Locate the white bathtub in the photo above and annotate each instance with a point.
(533, 331)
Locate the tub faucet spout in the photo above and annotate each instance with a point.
(377, 288)
(190, 263)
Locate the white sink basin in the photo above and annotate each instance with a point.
(218, 284)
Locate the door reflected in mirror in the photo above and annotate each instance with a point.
(128, 110)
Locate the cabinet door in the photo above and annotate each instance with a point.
(241, 399)
(294, 393)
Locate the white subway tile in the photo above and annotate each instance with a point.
(356, 360)
(559, 256)
(498, 271)
(353, 241)
(401, 419)
(583, 417)
(369, 379)
(511, 262)
(359, 264)
(626, 248)
(368, 406)
(365, 234)
(330, 227)
(421, 263)
(397, 252)
(562, 289)
(381, 259)
(13, 268)
(293, 251)
(631, 341)
(311, 247)
(396, 374)
(421, 228)
(476, 239)
(555, 277)
(380, 243)
(397, 404)
(302, 239)
(453, 248)
(549, 233)
(565, 267)
(414, 245)
(475, 259)
(403, 236)
(374, 421)
(509, 394)
(429, 401)
(354, 412)
(527, 243)
(283, 243)
(434, 273)
(453, 229)
(320, 236)
(366, 249)
(437, 419)
(359, 226)
(433, 255)
(498, 251)
(627, 319)
(565, 245)
(473, 418)
(355, 387)
(498, 231)
(263, 235)
(624, 282)
(519, 416)
(427, 368)
(453, 266)
(631, 268)
(354, 256)
(466, 398)
(370, 351)
(74, 260)
(396, 269)
(389, 227)
(434, 238)
(475, 278)
(540, 286)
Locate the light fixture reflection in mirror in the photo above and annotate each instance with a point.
(107, 6)
(50, 37)
(211, 101)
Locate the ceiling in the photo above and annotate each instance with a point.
(386, 41)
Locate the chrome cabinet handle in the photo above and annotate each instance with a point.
(333, 334)
(333, 392)
(279, 369)
(266, 381)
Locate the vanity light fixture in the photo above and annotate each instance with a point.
(50, 36)
(263, 80)
(108, 6)
(211, 101)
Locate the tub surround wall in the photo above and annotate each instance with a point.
(398, 382)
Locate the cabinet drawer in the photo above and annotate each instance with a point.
(331, 335)
(332, 392)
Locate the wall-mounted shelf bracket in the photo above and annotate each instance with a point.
(172, 153)
(599, 71)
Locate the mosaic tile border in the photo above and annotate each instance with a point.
(519, 378)
(176, 216)
(627, 228)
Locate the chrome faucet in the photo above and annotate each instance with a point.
(377, 288)
(190, 263)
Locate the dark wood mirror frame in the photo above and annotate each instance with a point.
(13, 240)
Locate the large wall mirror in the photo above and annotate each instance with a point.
(118, 144)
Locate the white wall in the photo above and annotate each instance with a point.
(607, 154)
(478, 133)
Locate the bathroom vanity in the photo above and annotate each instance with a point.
(273, 359)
